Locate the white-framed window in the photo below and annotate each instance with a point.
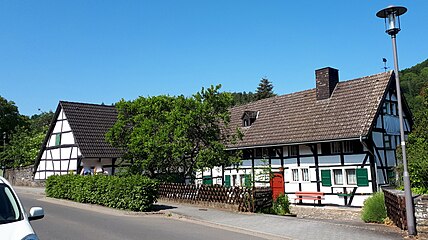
(348, 147)
(293, 150)
(57, 139)
(335, 147)
(387, 140)
(388, 108)
(295, 175)
(242, 180)
(394, 109)
(397, 140)
(305, 174)
(338, 176)
(351, 176)
(246, 122)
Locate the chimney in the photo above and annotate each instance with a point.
(326, 79)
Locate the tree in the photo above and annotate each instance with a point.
(26, 140)
(9, 119)
(168, 135)
(264, 90)
(240, 98)
(414, 82)
(417, 147)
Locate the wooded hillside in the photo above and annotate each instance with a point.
(414, 83)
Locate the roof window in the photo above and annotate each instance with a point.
(249, 117)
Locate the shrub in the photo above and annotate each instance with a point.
(136, 193)
(374, 209)
(281, 206)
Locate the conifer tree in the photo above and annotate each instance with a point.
(265, 89)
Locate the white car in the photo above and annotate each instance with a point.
(14, 222)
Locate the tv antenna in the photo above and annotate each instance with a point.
(384, 64)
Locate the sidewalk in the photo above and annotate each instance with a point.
(286, 227)
(278, 226)
(32, 190)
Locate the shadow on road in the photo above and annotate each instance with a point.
(160, 207)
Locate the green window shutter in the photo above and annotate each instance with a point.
(227, 180)
(326, 178)
(57, 139)
(207, 180)
(248, 180)
(362, 177)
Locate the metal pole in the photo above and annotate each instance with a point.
(406, 179)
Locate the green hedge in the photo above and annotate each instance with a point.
(136, 193)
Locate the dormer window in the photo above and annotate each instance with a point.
(249, 117)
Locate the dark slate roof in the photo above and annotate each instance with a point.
(299, 117)
(90, 123)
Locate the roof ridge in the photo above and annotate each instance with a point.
(89, 104)
(313, 89)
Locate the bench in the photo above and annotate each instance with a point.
(309, 196)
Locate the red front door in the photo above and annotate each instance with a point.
(277, 185)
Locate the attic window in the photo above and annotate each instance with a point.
(249, 117)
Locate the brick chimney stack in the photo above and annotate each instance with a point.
(326, 79)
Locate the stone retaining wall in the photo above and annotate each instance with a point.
(421, 213)
(22, 177)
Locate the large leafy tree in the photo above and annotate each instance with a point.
(164, 134)
(9, 119)
(265, 89)
(26, 140)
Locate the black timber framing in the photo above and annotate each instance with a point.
(253, 154)
(113, 167)
(314, 149)
(298, 165)
(79, 164)
(386, 181)
(372, 163)
(382, 167)
(60, 150)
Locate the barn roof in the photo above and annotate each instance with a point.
(299, 117)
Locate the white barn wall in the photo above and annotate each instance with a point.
(61, 159)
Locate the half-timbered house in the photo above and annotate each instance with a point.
(338, 139)
(76, 140)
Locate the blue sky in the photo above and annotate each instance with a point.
(102, 51)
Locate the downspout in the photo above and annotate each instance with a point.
(365, 144)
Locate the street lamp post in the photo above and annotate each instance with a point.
(391, 15)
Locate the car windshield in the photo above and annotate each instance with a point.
(9, 207)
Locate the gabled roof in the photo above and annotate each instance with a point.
(90, 123)
(301, 118)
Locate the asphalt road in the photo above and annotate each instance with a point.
(62, 222)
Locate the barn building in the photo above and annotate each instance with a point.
(76, 140)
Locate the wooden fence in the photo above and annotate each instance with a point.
(236, 198)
